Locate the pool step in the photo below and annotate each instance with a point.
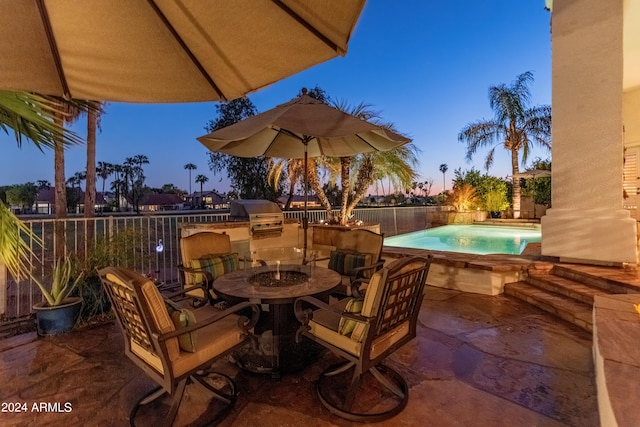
(563, 292)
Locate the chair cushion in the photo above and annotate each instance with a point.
(216, 265)
(344, 262)
(354, 305)
(324, 326)
(213, 340)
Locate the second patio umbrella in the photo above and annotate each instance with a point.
(301, 128)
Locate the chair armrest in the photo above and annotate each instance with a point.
(203, 271)
(305, 315)
(171, 295)
(358, 272)
(244, 322)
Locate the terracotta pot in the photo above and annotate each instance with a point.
(58, 319)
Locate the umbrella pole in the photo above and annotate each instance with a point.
(305, 219)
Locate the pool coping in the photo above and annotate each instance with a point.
(483, 274)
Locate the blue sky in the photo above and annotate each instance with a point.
(425, 65)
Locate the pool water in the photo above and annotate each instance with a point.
(472, 239)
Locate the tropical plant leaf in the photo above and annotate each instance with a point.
(31, 116)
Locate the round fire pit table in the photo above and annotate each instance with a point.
(276, 288)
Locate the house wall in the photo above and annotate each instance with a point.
(631, 117)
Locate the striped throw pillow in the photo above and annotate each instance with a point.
(215, 265)
(344, 262)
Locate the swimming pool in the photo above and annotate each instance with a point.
(472, 239)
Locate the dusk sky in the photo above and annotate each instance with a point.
(426, 66)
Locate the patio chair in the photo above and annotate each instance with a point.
(365, 332)
(205, 256)
(175, 349)
(357, 256)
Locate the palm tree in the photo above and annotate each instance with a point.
(43, 184)
(190, 167)
(444, 168)
(93, 123)
(32, 117)
(117, 183)
(134, 175)
(515, 127)
(295, 175)
(201, 179)
(104, 170)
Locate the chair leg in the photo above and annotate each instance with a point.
(175, 402)
(332, 396)
(155, 394)
(228, 399)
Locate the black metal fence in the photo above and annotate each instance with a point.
(135, 241)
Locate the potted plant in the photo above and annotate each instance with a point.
(59, 311)
(496, 201)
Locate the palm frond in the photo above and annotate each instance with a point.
(31, 116)
(15, 251)
(480, 134)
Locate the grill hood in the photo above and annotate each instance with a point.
(265, 217)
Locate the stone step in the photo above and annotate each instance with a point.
(566, 287)
(569, 309)
(608, 285)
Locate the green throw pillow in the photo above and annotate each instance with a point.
(181, 319)
(346, 325)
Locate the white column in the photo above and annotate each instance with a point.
(587, 221)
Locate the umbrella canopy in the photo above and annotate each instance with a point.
(301, 128)
(166, 50)
(536, 173)
(302, 125)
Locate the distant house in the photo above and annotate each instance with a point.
(297, 202)
(211, 199)
(46, 201)
(161, 202)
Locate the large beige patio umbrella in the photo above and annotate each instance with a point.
(301, 128)
(166, 50)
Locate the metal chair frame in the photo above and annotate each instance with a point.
(134, 318)
(398, 301)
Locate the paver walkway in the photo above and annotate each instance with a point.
(477, 361)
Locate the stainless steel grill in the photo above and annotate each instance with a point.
(265, 217)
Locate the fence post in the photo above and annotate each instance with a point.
(395, 220)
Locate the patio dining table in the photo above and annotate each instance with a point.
(276, 288)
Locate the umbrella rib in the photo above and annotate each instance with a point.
(44, 15)
(309, 27)
(367, 142)
(186, 49)
(280, 131)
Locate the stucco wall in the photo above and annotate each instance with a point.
(631, 118)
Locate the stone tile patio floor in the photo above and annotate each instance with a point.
(477, 360)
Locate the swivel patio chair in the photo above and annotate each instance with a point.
(178, 348)
(205, 256)
(365, 332)
(357, 256)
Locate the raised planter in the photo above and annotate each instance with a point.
(324, 237)
(57, 319)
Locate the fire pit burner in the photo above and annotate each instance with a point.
(287, 278)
